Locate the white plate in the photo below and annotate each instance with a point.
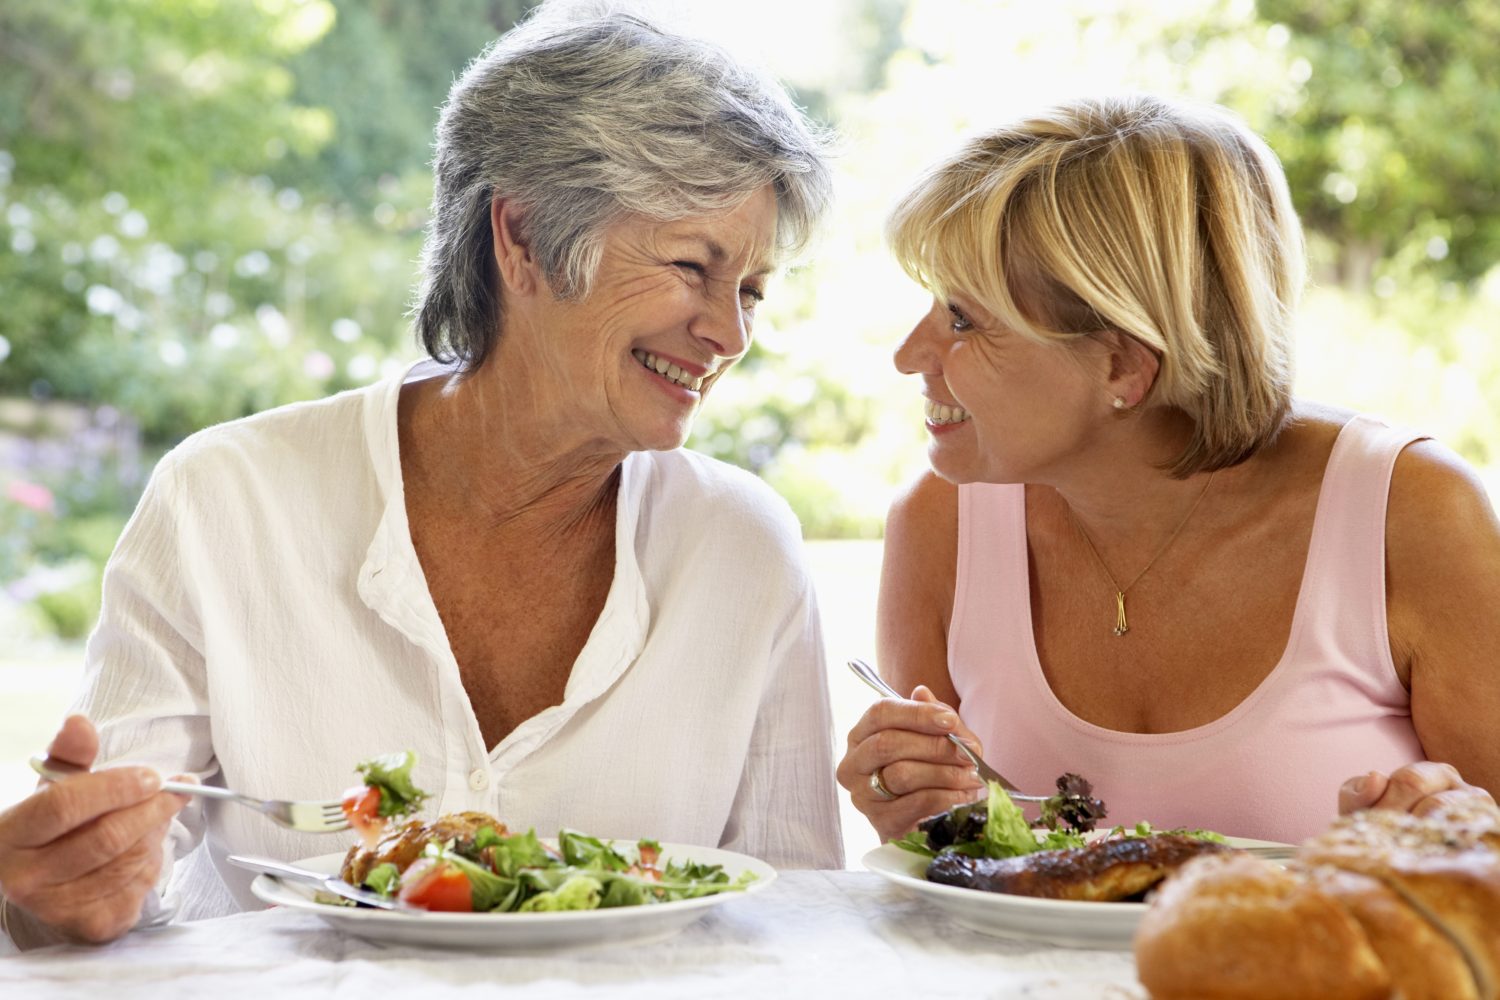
(527, 932)
(1065, 922)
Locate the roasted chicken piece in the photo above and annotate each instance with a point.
(401, 845)
(1111, 869)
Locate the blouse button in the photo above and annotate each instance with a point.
(479, 779)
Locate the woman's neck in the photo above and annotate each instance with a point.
(480, 451)
(1123, 496)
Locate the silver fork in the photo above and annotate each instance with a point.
(867, 673)
(308, 817)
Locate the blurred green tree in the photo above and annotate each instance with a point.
(212, 206)
(1390, 133)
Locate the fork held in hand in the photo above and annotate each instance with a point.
(308, 817)
(867, 673)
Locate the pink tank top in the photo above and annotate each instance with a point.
(1332, 708)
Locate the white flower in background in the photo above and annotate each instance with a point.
(103, 300)
(224, 336)
(318, 365)
(274, 324)
(104, 248)
(133, 225)
(253, 264)
(361, 368)
(172, 353)
(346, 330)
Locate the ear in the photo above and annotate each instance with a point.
(1133, 367)
(518, 270)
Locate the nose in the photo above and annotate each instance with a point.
(723, 325)
(919, 352)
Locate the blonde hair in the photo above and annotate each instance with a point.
(1166, 221)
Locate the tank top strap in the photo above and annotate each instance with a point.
(991, 624)
(1343, 593)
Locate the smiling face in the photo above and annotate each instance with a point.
(1001, 407)
(671, 309)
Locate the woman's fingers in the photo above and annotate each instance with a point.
(904, 777)
(1416, 788)
(1361, 792)
(80, 855)
(1412, 783)
(77, 742)
(887, 746)
(104, 841)
(906, 742)
(58, 808)
(66, 886)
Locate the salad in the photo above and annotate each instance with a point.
(471, 863)
(995, 827)
(989, 846)
(388, 792)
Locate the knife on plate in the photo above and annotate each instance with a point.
(327, 883)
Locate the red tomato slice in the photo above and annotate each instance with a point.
(362, 807)
(434, 884)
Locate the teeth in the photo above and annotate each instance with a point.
(938, 413)
(669, 371)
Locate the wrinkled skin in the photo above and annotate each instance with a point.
(78, 857)
(1418, 788)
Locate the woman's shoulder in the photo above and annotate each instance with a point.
(287, 441)
(715, 491)
(695, 474)
(923, 519)
(1429, 482)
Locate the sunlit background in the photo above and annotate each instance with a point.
(210, 207)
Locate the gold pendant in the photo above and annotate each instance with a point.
(1121, 626)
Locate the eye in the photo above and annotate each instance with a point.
(750, 296)
(957, 321)
(691, 265)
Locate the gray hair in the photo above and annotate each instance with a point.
(583, 124)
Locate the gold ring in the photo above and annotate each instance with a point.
(877, 785)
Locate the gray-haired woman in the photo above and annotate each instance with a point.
(500, 560)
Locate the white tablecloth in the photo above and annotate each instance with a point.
(830, 934)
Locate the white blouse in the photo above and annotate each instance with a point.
(266, 625)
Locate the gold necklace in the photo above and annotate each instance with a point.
(1121, 625)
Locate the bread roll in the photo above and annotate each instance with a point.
(1228, 927)
(1422, 961)
(1382, 904)
(1444, 866)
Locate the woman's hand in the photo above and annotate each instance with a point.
(79, 856)
(1416, 788)
(906, 744)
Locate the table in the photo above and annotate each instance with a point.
(823, 934)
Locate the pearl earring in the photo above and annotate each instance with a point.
(1119, 403)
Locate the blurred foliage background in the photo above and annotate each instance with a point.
(210, 207)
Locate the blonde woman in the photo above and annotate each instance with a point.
(1136, 556)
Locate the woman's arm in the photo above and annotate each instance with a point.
(786, 808)
(1443, 609)
(905, 742)
(916, 588)
(82, 856)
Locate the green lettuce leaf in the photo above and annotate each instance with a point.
(1006, 832)
(383, 878)
(579, 892)
(391, 773)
